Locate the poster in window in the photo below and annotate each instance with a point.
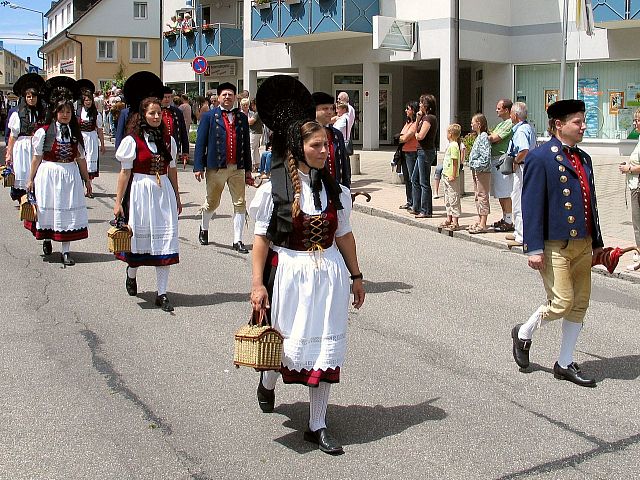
(633, 95)
(588, 93)
(616, 101)
(551, 95)
(625, 119)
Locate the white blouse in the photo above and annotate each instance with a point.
(262, 206)
(84, 115)
(38, 141)
(126, 152)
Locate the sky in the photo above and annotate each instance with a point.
(16, 24)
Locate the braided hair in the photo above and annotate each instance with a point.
(137, 126)
(61, 98)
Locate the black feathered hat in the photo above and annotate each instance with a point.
(26, 81)
(562, 108)
(139, 86)
(60, 88)
(282, 100)
(322, 98)
(226, 86)
(86, 84)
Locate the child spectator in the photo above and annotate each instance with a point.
(451, 178)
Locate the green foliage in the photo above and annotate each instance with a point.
(120, 76)
(192, 136)
(468, 140)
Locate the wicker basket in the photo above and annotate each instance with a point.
(119, 239)
(258, 346)
(7, 180)
(28, 210)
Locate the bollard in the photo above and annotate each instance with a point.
(355, 164)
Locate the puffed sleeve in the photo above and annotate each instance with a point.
(126, 152)
(99, 121)
(344, 222)
(37, 142)
(174, 153)
(261, 208)
(14, 124)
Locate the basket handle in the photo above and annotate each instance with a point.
(257, 317)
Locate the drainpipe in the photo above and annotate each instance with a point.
(66, 34)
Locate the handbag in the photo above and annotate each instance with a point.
(505, 164)
(397, 157)
(257, 345)
(119, 236)
(349, 147)
(28, 208)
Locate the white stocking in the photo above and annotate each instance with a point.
(238, 227)
(269, 379)
(206, 218)
(162, 279)
(570, 332)
(65, 247)
(534, 322)
(318, 401)
(132, 271)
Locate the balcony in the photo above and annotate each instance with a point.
(294, 21)
(616, 13)
(219, 42)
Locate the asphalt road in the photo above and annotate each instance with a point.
(99, 385)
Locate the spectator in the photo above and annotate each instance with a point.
(202, 105)
(631, 168)
(185, 108)
(409, 151)
(480, 164)
(342, 119)
(265, 163)
(451, 174)
(502, 185)
(256, 130)
(426, 131)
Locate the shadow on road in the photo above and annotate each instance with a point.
(383, 287)
(79, 257)
(358, 424)
(180, 300)
(626, 367)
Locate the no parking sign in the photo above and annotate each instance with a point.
(199, 65)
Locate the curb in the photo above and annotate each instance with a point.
(380, 213)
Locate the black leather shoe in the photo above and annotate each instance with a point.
(324, 440)
(46, 247)
(573, 374)
(266, 397)
(239, 247)
(163, 302)
(67, 261)
(520, 348)
(203, 237)
(132, 285)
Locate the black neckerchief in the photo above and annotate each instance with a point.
(28, 117)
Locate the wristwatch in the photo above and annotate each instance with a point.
(356, 277)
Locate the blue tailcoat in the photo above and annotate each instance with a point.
(552, 201)
(343, 164)
(211, 142)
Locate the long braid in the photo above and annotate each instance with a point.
(295, 180)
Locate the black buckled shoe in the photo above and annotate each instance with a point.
(46, 247)
(266, 397)
(132, 285)
(520, 348)
(163, 302)
(67, 261)
(573, 374)
(203, 237)
(325, 441)
(240, 248)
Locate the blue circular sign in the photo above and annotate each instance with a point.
(199, 65)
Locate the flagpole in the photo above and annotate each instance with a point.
(563, 62)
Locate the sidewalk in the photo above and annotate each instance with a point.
(377, 176)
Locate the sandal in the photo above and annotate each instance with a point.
(444, 225)
(478, 229)
(454, 228)
(471, 227)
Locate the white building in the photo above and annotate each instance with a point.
(507, 48)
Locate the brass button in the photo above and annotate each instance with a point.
(568, 205)
(566, 192)
(525, 247)
(571, 219)
(573, 233)
(559, 158)
(563, 179)
(561, 168)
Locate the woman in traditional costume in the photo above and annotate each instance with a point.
(91, 127)
(57, 172)
(303, 254)
(23, 123)
(147, 193)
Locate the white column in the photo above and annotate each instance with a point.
(250, 81)
(446, 114)
(370, 108)
(305, 75)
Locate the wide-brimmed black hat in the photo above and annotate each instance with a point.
(59, 88)
(322, 98)
(562, 108)
(139, 86)
(282, 100)
(226, 86)
(26, 81)
(86, 84)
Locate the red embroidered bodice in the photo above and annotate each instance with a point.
(147, 162)
(312, 232)
(61, 152)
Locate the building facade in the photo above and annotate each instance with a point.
(103, 40)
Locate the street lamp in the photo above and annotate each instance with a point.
(14, 6)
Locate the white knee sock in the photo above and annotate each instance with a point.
(318, 401)
(534, 322)
(65, 247)
(570, 332)
(269, 379)
(206, 218)
(132, 271)
(162, 279)
(238, 227)
(508, 218)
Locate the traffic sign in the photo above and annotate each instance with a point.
(33, 69)
(199, 65)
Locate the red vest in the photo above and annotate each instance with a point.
(147, 162)
(60, 152)
(231, 139)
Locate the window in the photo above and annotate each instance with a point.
(139, 51)
(140, 10)
(106, 50)
(69, 18)
(240, 14)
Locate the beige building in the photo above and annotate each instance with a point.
(12, 67)
(102, 40)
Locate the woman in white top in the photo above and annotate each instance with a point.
(631, 169)
(57, 173)
(149, 175)
(91, 126)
